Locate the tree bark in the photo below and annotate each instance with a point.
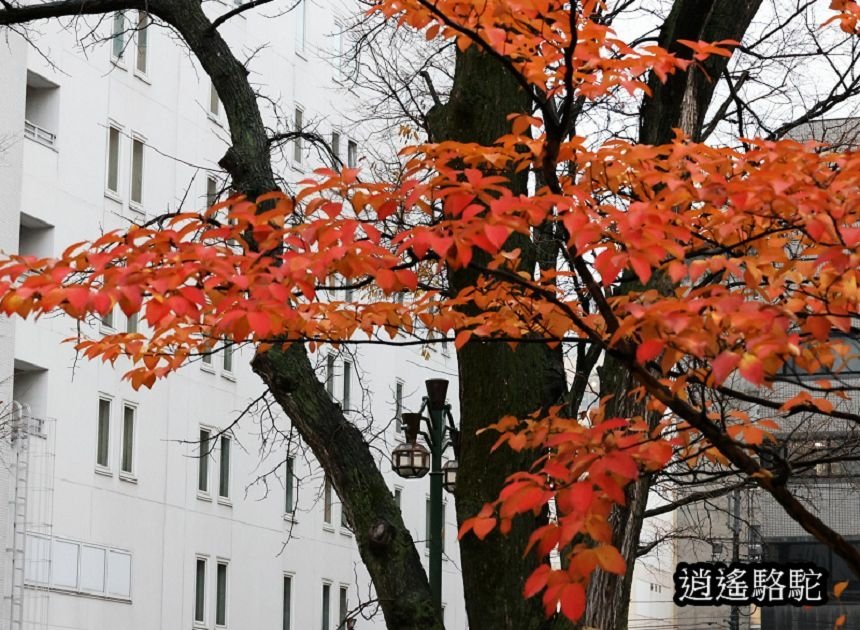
(679, 103)
(494, 379)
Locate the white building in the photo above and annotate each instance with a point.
(126, 526)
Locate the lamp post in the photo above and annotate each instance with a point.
(412, 460)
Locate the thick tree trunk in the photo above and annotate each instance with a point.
(494, 380)
(680, 103)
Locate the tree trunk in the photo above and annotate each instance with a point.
(494, 380)
(679, 103)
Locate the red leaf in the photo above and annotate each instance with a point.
(751, 368)
(649, 350)
(78, 297)
(483, 526)
(386, 280)
(496, 234)
(723, 365)
(572, 601)
(536, 581)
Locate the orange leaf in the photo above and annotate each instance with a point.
(839, 588)
(611, 560)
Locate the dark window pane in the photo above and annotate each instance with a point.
(200, 591)
(224, 481)
(221, 595)
(127, 464)
(203, 462)
(103, 448)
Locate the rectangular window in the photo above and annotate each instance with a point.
(127, 460)
(298, 145)
(329, 375)
(326, 605)
(288, 602)
(327, 500)
(335, 148)
(211, 191)
(343, 607)
(290, 484)
(224, 469)
(398, 406)
(347, 384)
(207, 358)
(427, 523)
(228, 356)
(351, 154)
(214, 101)
(142, 40)
(398, 497)
(200, 591)
(118, 36)
(344, 521)
(131, 323)
(301, 25)
(103, 444)
(107, 319)
(136, 171)
(221, 594)
(203, 462)
(113, 159)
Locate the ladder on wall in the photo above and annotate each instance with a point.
(20, 469)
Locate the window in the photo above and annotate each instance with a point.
(347, 379)
(224, 478)
(343, 607)
(203, 462)
(142, 41)
(344, 521)
(288, 600)
(329, 375)
(136, 171)
(113, 159)
(214, 101)
(107, 319)
(398, 406)
(290, 483)
(76, 566)
(211, 191)
(335, 148)
(301, 25)
(326, 604)
(131, 323)
(327, 500)
(351, 154)
(127, 459)
(228, 356)
(118, 36)
(398, 496)
(298, 145)
(200, 591)
(103, 442)
(221, 594)
(41, 109)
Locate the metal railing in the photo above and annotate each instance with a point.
(39, 134)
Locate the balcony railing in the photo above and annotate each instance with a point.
(39, 134)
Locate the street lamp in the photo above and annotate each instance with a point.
(412, 460)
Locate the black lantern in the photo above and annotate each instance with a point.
(449, 475)
(410, 459)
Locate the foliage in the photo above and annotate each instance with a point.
(747, 259)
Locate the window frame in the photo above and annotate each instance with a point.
(289, 487)
(328, 504)
(213, 107)
(106, 467)
(203, 461)
(227, 356)
(114, 193)
(351, 153)
(298, 156)
(325, 605)
(200, 609)
(128, 475)
(118, 56)
(225, 563)
(301, 16)
(331, 360)
(222, 483)
(136, 139)
(287, 601)
(144, 20)
(346, 384)
(399, 387)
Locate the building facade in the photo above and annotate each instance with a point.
(152, 509)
